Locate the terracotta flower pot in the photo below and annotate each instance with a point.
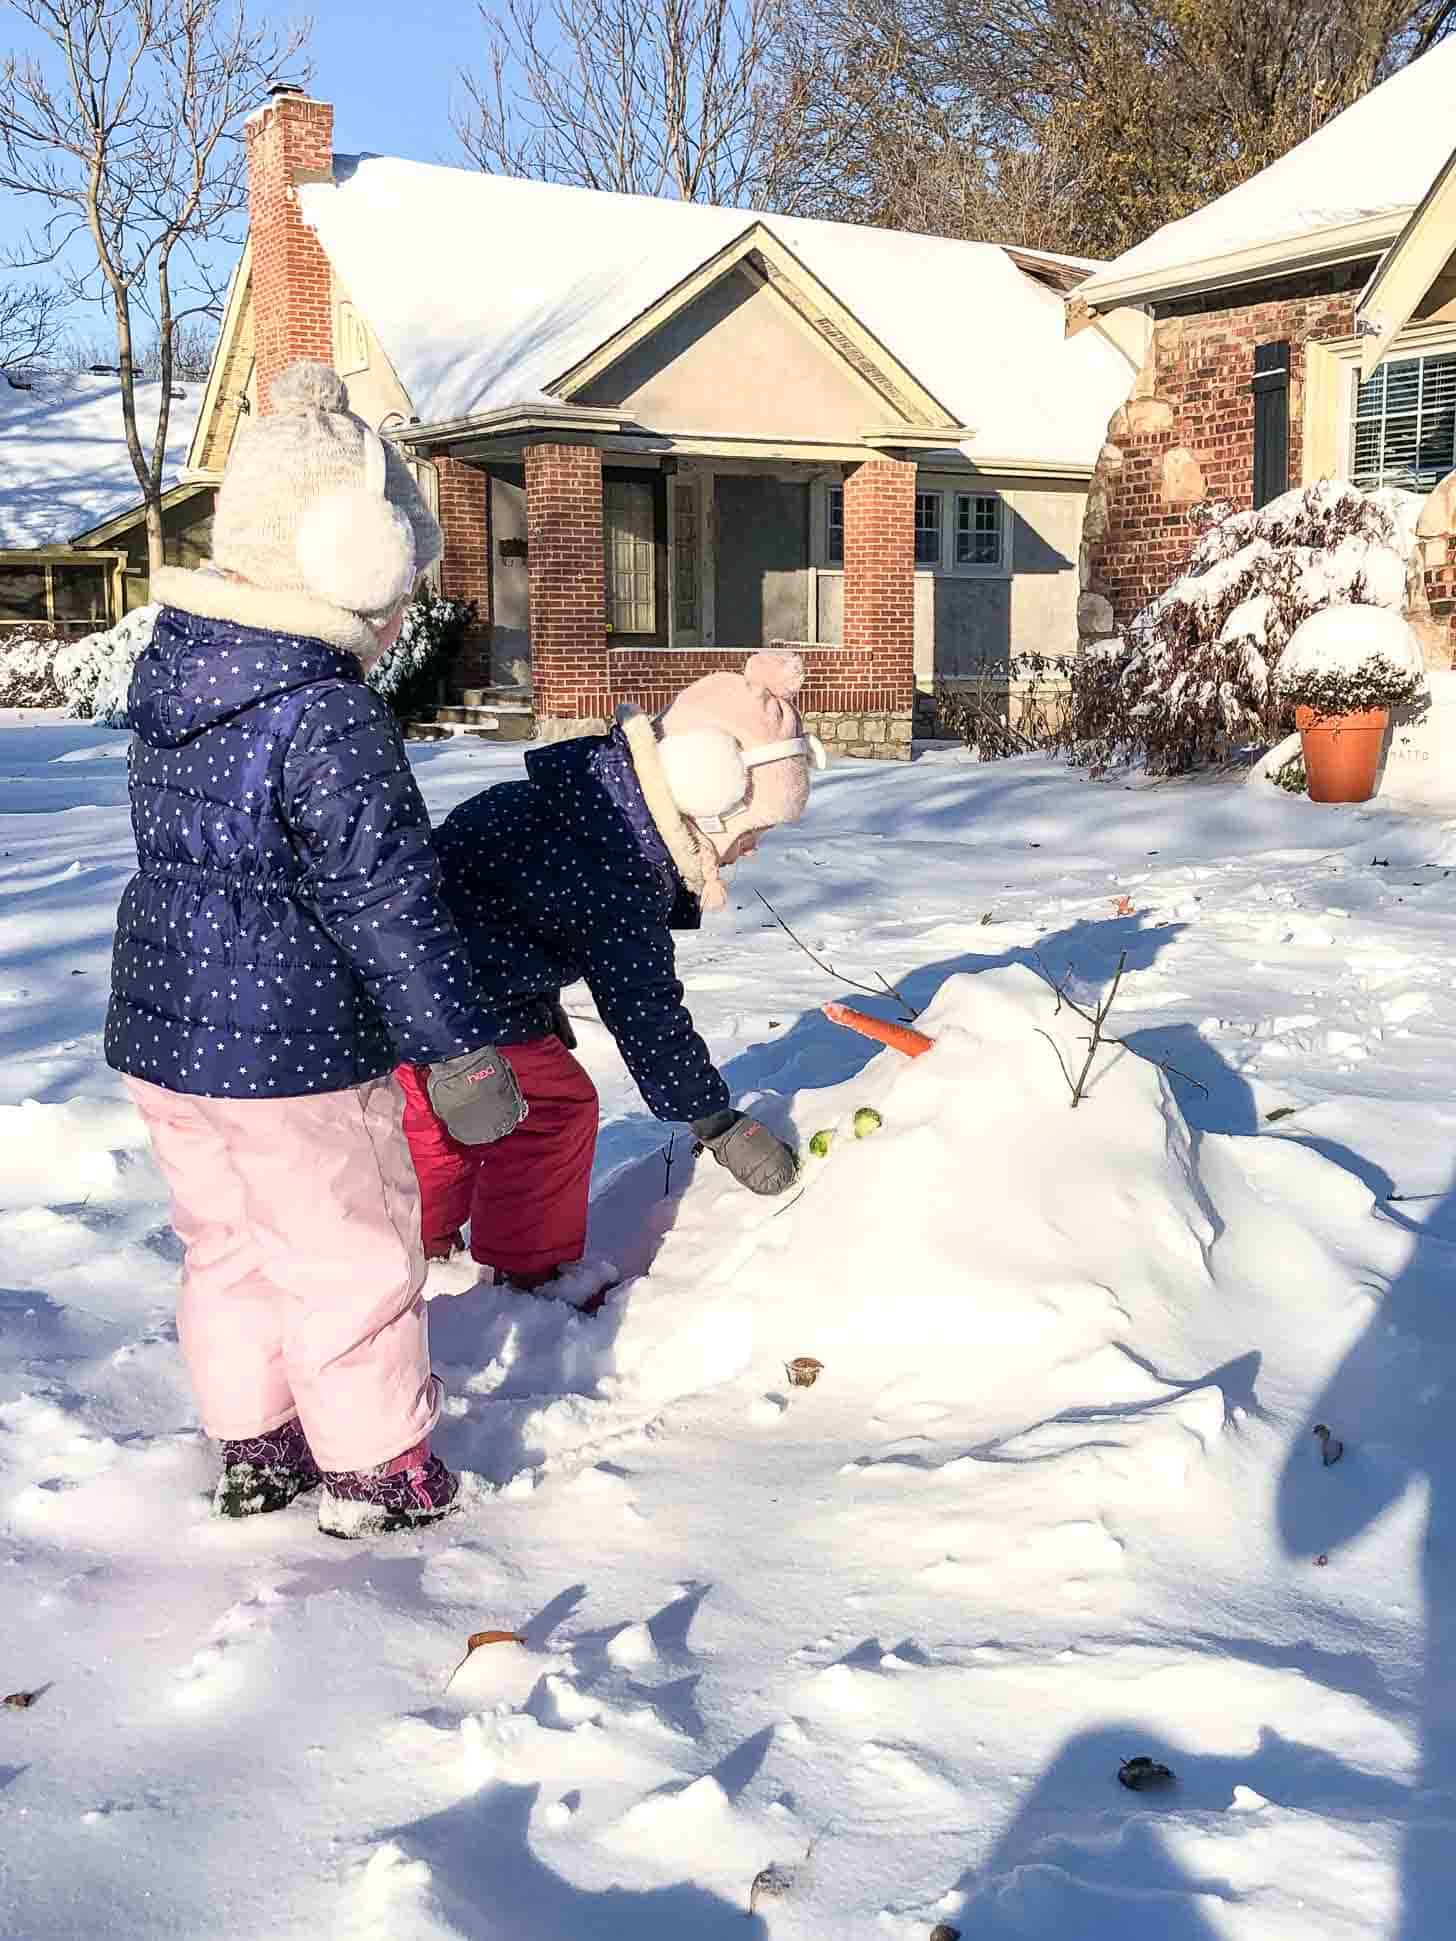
(1342, 752)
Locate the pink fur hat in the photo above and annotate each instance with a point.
(736, 757)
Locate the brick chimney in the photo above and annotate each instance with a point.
(290, 140)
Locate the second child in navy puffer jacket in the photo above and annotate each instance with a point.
(582, 872)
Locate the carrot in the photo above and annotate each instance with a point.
(900, 1037)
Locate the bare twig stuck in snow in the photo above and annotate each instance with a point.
(883, 988)
(1096, 1019)
(1078, 1086)
(667, 1153)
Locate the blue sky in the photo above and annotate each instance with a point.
(389, 71)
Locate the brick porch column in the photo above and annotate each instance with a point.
(879, 588)
(464, 514)
(566, 578)
(292, 287)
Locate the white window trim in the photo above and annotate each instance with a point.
(947, 486)
(704, 635)
(1331, 370)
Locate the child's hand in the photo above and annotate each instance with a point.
(477, 1096)
(749, 1151)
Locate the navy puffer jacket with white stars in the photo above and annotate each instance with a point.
(583, 871)
(285, 933)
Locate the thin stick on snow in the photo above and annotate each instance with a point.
(667, 1155)
(1059, 991)
(1079, 1089)
(885, 986)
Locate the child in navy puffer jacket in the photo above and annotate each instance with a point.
(584, 870)
(282, 945)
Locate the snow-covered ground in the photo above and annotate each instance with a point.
(1053, 1502)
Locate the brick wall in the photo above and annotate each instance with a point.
(292, 312)
(1187, 436)
(566, 578)
(879, 577)
(464, 514)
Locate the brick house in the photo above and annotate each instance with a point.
(660, 434)
(1303, 326)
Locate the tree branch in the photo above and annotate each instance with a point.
(870, 990)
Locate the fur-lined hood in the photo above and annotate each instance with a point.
(682, 841)
(212, 595)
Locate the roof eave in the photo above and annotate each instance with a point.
(506, 421)
(1413, 259)
(1319, 249)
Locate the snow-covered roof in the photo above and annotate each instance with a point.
(483, 290)
(64, 465)
(1374, 161)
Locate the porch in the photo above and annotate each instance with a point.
(605, 574)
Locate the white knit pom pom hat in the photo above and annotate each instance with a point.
(736, 758)
(313, 501)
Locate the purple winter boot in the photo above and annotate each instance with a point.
(414, 1489)
(265, 1472)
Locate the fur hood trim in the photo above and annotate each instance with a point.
(671, 824)
(213, 596)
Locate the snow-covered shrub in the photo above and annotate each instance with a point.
(94, 672)
(1348, 659)
(27, 671)
(1191, 679)
(409, 673)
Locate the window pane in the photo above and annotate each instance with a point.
(631, 561)
(1404, 430)
(22, 593)
(79, 592)
(834, 548)
(978, 529)
(927, 528)
(685, 605)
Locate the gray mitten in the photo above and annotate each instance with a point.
(477, 1096)
(749, 1151)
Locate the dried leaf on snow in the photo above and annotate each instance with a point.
(770, 1883)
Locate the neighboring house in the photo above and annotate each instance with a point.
(73, 543)
(1303, 326)
(660, 434)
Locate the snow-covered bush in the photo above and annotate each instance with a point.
(27, 671)
(1348, 659)
(1191, 679)
(94, 672)
(433, 628)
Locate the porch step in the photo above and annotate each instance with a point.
(511, 718)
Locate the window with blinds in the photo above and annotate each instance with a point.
(631, 557)
(1404, 424)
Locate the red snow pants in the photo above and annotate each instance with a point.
(525, 1196)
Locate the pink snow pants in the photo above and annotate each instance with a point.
(301, 1283)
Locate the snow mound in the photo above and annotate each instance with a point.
(1342, 639)
(898, 1261)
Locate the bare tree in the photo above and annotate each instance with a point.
(644, 97)
(1072, 124)
(192, 342)
(30, 323)
(126, 130)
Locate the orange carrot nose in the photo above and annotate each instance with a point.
(900, 1037)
